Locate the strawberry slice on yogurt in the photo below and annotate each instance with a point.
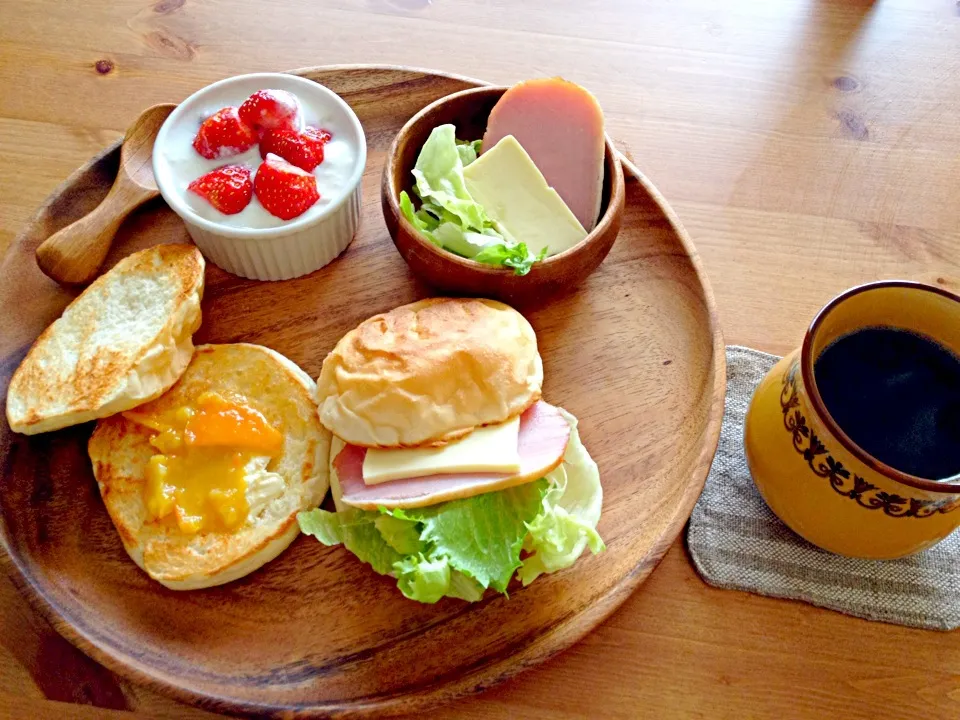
(284, 190)
(228, 188)
(224, 134)
(271, 110)
(303, 149)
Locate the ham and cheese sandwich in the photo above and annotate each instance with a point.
(446, 465)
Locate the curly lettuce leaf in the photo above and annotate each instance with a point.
(481, 536)
(467, 243)
(401, 535)
(448, 216)
(439, 177)
(460, 548)
(464, 587)
(488, 246)
(469, 150)
(456, 549)
(420, 219)
(567, 523)
(358, 532)
(321, 524)
(426, 579)
(511, 256)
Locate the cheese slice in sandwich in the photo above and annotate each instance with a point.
(543, 434)
(487, 449)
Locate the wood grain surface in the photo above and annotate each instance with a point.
(634, 351)
(807, 145)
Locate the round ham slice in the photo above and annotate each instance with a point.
(560, 125)
(543, 438)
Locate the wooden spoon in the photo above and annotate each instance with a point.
(73, 255)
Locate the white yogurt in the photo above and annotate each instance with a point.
(177, 163)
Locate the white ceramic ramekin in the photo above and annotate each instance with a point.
(294, 248)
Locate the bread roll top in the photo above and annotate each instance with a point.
(429, 372)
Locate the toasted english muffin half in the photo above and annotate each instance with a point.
(123, 341)
(277, 488)
(429, 373)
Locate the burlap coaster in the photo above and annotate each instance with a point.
(738, 543)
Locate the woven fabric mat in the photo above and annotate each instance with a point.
(738, 543)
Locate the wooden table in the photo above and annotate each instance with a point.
(807, 146)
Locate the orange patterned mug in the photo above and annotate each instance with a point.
(812, 474)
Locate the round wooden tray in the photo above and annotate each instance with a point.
(635, 352)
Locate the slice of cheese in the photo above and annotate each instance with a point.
(488, 449)
(514, 193)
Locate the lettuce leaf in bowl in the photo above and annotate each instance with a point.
(439, 177)
(513, 256)
(469, 150)
(420, 219)
(448, 216)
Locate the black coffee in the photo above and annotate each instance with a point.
(897, 395)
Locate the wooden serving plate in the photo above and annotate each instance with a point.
(635, 352)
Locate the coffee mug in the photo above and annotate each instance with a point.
(808, 469)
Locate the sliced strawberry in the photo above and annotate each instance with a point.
(303, 149)
(284, 190)
(224, 134)
(228, 188)
(271, 110)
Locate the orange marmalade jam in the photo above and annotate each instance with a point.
(197, 481)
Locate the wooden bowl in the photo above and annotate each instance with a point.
(468, 110)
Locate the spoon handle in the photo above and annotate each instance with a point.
(73, 255)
